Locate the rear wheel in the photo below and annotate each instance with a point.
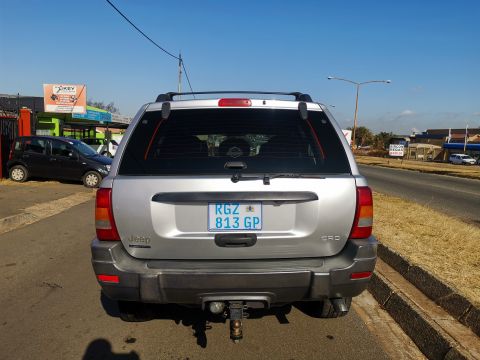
(92, 179)
(18, 173)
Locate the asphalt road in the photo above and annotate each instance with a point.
(455, 196)
(51, 308)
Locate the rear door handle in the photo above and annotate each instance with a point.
(235, 240)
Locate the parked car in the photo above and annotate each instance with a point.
(101, 147)
(231, 204)
(56, 158)
(461, 159)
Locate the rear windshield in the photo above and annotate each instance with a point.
(210, 141)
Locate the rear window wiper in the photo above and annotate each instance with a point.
(267, 177)
(239, 177)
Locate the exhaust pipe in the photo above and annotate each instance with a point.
(339, 306)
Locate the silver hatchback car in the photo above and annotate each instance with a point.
(234, 203)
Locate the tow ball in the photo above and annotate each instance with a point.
(235, 313)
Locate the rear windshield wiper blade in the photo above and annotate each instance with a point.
(267, 177)
(295, 175)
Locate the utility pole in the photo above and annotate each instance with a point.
(466, 140)
(179, 88)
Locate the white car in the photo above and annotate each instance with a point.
(461, 159)
(100, 146)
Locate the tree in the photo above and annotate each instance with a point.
(382, 139)
(363, 136)
(110, 107)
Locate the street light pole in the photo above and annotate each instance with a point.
(357, 85)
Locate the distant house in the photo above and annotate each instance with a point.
(451, 141)
(400, 140)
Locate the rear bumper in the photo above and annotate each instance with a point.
(197, 282)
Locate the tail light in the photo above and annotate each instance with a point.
(235, 102)
(104, 221)
(363, 222)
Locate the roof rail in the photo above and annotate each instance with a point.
(298, 95)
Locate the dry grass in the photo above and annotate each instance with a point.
(471, 172)
(447, 247)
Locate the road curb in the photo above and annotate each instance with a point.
(442, 294)
(429, 337)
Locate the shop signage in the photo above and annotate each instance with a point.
(396, 150)
(94, 115)
(65, 98)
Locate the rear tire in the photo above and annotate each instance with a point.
(18, 173)
(92, 179)
(132, 311)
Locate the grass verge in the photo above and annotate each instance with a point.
(470, 172)
(445, 246)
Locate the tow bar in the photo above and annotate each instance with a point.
(236, 316)
(233, 310)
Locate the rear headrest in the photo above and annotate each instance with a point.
(234, 147)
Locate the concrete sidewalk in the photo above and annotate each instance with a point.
(16, 197)
(22, 204)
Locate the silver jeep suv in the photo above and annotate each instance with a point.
(234, 203)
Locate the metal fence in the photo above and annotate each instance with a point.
(8, 132)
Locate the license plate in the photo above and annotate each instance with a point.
(234, 216)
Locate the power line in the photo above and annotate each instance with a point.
(179, 58)
(141, 32)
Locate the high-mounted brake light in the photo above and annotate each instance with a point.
(234, 102)
(362, 225)
(104, 221)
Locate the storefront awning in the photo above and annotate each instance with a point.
(94, 114)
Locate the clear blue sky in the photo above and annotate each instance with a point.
(429, 49)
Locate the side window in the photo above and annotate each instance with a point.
(35, 145)
(60, 148)
(18, 145)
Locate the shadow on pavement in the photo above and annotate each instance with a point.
(101, 349)
(110, 306)
(198, 320)
(309, 308)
